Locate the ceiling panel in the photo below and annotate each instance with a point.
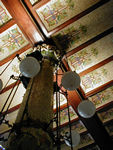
(4, 14)
(102, 98)
(85, 28)
(56, 12)
(64, 116)
(11, 41)
(97, 77)
(92, 54)
(106, 116)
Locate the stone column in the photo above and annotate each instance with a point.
(31, 130)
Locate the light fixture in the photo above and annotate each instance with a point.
(1, 84)
(70, 80)
(29, 67)
(75, 138)
(86, 109)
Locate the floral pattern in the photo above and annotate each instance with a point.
(4, 14)
(92, 54)
(103, 97)
(56, 12)
(11, 40)
(102, 22)
(81, 59)
(70, 36)
(64, 115)
(77, 126)
(106, 115)
(97, 77)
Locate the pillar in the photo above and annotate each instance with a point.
(31, 131)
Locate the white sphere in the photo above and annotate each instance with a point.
(29, 67)
(70, 80)
(75, 139)
(1, 84)
(86, 109)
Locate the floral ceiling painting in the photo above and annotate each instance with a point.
(4, 15)
(13, 68)
(97, 77)
(103, 97)
(84, 29)
(77, 126)
(106, 115)
(11, 41)
(56, 12)
(91, 55)
(64, 116)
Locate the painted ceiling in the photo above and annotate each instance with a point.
(85, 34)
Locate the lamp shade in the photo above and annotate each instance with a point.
(1, 84)
(29, 67)
(86, 109)
(75, 139)
(70, 80)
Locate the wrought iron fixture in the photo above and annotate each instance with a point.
(70, 81)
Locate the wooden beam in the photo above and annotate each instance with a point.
(9, 87)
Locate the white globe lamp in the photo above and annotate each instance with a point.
(29, 67)
(75, 139)
(70, 80)
(1, 84)
(86, 109)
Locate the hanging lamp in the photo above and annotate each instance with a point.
(70, 80)
(75, 138)
(86, 109)
(29, 67)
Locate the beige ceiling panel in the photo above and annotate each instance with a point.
(97, 77)
(92, 54)
(11, 41)
(102, 98)
(56, 12)
(64, 116)
(85, 28)
(4, 14)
